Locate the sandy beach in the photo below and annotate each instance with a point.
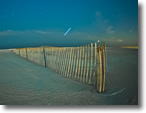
(27, 83)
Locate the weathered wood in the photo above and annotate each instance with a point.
(66, 66)
(52, 59)
(84, 75)
(77, 64)
(73, 72)
(19, 52)
(72, 62)
(80, 52)
(82, 67)
(67, 61)
(87, 74)
(71, 68)
(64, 61)
(70, 53)
(44, 56)
(55, 61)
(95, 62)
(91, 64)
(58, 61)
(99, 75)
(104, 66)
(61, 60)
(105, 55)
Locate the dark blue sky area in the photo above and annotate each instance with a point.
(26, 23)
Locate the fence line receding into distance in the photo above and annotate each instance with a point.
(86, 64)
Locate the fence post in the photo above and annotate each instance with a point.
(90, 77)
(88, 64)
(99, 74)
(82, 64)
(44, 56)
(26, 54)
(104, 65)
(84, 75)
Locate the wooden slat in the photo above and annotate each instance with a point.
(80, 52)
(84, 75)
(104, 66)
(74, 60)
(44, 57)
(70, 54)
(66, 66)
(82, 67)
(71, 68)
(91, 64)
(77, 64)
(99, 75)
(95, 62)
(87, 74)
(64, 61)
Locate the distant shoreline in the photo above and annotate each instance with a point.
(130, 47)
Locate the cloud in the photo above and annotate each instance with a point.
(10, 33)
(98, 14)
(41, 32)
(131, 30)
(114, 40)
(29, 33)
(119, 40)
(110, 30)
(102, 24)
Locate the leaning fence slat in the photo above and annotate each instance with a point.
(55, 59)
(74, 60)
(77, 63)
(66, 62)
(80, 52)
(71, 63)
(91, 64)
(87, 74)
(52, 58)
(69, 58)
(104, 66)
(44, 56)
(99, 75)
(84, 75)
(95, 62)
(82, 64)
(26, 54)
(60, 59)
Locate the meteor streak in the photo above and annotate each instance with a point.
(67, 31)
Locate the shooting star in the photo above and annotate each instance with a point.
(67, 31)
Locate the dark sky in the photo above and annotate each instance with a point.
(29, 23)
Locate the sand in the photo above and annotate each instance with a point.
(25, 83)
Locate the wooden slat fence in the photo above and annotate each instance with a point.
(86, 64)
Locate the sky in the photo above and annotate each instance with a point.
(34, 23)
